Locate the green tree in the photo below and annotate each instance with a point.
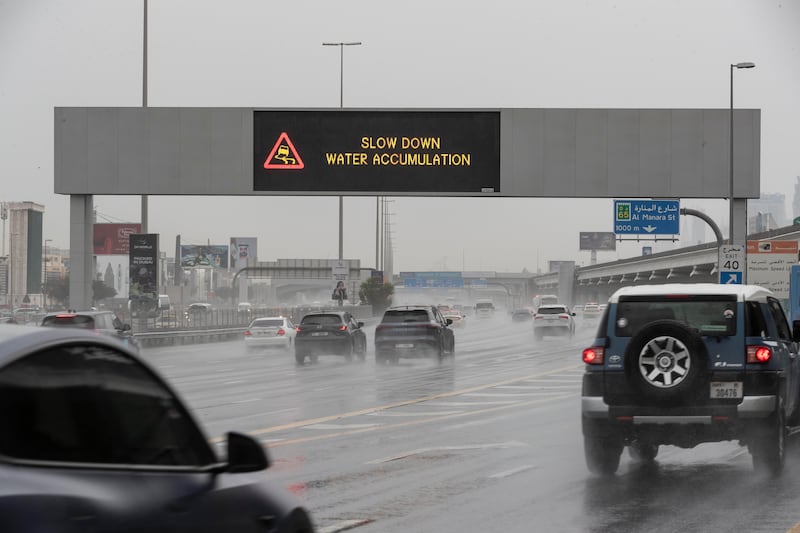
(101, 291)
(377, 294)
(57, 290)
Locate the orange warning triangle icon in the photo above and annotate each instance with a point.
(283, 155)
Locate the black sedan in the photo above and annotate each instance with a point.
(92, 439)
(329, 333)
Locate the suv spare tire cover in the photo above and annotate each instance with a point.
(667, 360)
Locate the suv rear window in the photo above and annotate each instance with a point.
(406, 315)
(321, 320)
(710, 315)
(72, 321)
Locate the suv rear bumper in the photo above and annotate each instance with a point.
(749, 407)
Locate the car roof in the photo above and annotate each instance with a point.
(85, 313)
(552, 306)
(741, 292)
(17, 341)
(410, 307)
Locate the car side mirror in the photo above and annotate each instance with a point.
(245, 454)
(126, 327)
(361, 324)
(449, 321)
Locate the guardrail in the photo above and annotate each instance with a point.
(172, 337)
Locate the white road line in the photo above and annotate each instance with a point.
(510, 444)
(509, 394)
(342, 525)
(340, 426)
(471, 404)
(234, 382)
(420, 413)
(247, 400)
(511, 472)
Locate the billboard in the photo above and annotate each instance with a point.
(204, 256)
(243, 252)
(143, 264)
(113, 271)
(604, 241)
(382, 151)
(114, 239)
(769, 264)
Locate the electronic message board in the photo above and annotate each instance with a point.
(380, 151)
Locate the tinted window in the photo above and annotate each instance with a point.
(267, 323)
(780, 320)
(551, 310)
(406, 315)
(91, 404)
(68, 320)
(709, 315)
(755, 324)
(321, 320)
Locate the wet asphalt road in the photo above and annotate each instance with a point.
(487, 441)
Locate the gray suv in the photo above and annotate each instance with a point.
(683, 364)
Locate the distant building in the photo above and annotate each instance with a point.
(772, 210)
(796, 199)
(25, 257)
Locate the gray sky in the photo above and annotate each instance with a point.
(446, 53)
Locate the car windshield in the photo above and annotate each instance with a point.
(321, 320)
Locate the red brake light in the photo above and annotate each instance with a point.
(343, 327)
(758, 354)
(247, 333)
(281, 332)
(297, 329)
(66, 315)
(565, 317)
(594, 355)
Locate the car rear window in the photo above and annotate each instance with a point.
(72, 321)
(267, 323)
(710, 315)
(406, 315)
(321, 320)
(551, 310)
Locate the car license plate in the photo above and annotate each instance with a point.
(726, 389)
(319, 333)
(403, 345)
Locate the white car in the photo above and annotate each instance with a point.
(553, 320)
(269, 332)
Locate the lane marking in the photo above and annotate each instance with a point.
(511, 472)
(460, 404)
(420, 413)
(507, 394)
(340, 426)
(300, 440)
(323, 419)
(234, 382)
(249, 400)
(343, 525)
(419, 451)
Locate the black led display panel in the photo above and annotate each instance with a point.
(377, 151)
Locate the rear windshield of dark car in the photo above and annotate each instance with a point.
(406, 315)
(551, 311)
(710, 315)
(72, 321)
(267, 323)
(321, 320)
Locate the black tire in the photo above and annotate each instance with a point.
(299, 358)
(666, 362)
(348, 352)
(768, 446)
(602, 455)
(643, 453)
(380, 358)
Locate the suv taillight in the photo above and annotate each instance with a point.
(759, 354)
(594, 355)
(280, 332)
(343, 327)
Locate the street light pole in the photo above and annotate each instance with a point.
(730, 166)
(44, 275)
(341, 46)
